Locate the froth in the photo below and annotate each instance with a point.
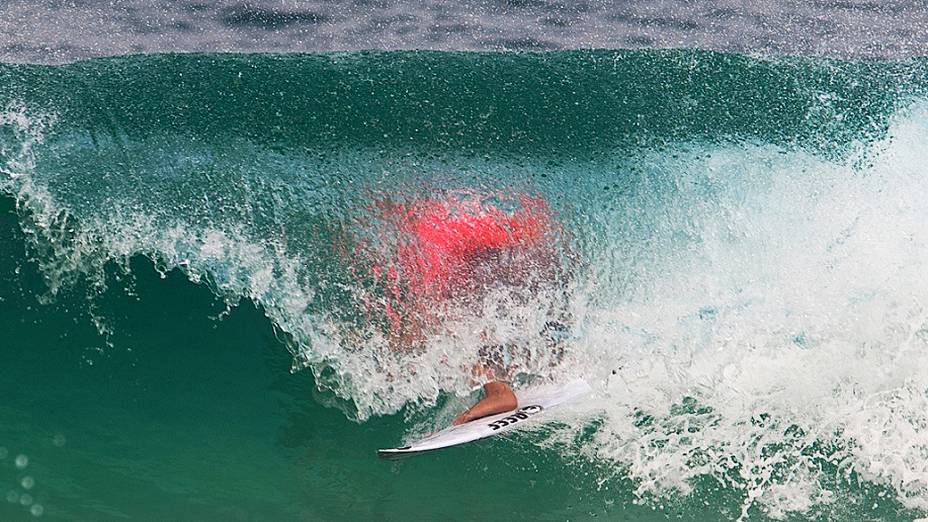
(777, 343)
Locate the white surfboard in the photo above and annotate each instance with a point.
(532, 403)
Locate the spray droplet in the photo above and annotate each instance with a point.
(27, 482)
(59, 440)
(22, 461)
(12, 497)
(25, 499)
(37, 510)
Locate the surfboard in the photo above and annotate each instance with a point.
(533, 402)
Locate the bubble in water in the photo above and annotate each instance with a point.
(3, 452)
(12, 496)
(27, 482)
(37, 510)
(59, 440)
(25, 499)
(22, 461)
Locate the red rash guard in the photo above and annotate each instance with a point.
(442, 238)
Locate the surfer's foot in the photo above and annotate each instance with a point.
(498, 397)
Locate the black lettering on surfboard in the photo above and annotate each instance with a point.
(523, 413)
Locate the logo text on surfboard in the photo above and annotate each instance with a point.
(523, 413)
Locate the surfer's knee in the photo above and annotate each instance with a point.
(501, 394)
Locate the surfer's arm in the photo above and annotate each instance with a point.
(497, 398)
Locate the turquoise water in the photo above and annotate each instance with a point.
(182, 340)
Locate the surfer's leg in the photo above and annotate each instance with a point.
(497, 398)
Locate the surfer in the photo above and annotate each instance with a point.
(457, 248)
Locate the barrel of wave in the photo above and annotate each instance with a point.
(420, 263)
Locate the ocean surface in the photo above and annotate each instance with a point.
(184, 241)
(54, 31)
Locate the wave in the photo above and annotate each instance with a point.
(748, 300)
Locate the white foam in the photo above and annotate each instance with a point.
(793, 312)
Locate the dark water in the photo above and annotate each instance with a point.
(180, 338)
(52, 31)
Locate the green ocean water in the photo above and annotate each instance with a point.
(181, 339)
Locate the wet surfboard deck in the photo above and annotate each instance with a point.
(533, 402)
